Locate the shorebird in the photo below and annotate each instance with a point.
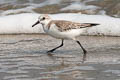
(62, 29)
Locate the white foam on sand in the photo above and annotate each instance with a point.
(22, 23)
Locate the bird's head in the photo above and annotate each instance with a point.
(43, 19)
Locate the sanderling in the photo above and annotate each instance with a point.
(62, 29)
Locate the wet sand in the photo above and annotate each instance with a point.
(24, 57)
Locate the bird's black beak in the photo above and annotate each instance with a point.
(36, 23)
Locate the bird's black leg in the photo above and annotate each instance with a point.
(84, 51)
(56, 47)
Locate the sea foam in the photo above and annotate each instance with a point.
(22, 23)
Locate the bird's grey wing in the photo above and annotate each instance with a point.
(67, 25)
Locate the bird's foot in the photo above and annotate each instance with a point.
(84, 56)
(50, 52)
(84, 59)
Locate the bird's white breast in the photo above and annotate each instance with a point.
(69, 34)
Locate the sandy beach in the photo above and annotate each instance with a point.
(24, 57)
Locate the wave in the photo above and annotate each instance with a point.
(8, 7)
(22, 23)
(80, 6)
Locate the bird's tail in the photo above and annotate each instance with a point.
(85, 25)
(94, 24)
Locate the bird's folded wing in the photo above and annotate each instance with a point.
(68, 25)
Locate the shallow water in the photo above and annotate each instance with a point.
(24, 57)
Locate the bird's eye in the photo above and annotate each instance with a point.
(43, 18)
